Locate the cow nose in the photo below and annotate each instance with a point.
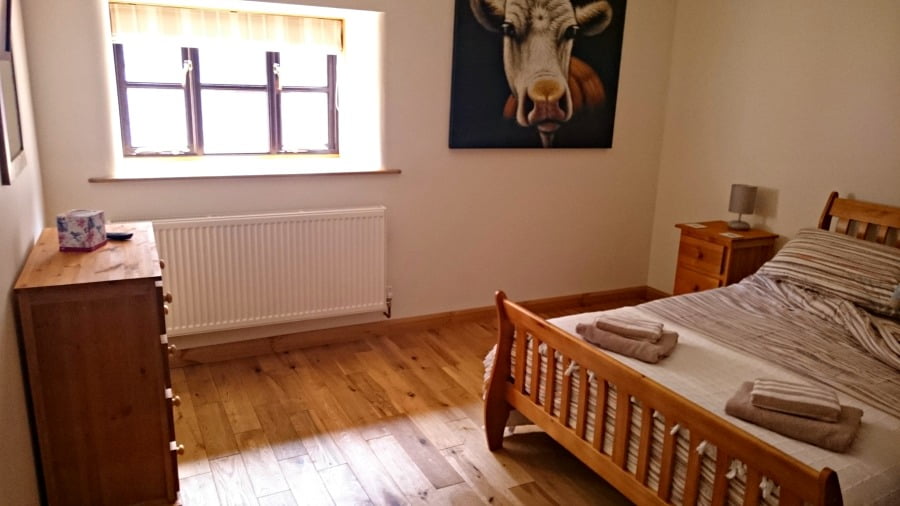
(545, 96)
(546, 90)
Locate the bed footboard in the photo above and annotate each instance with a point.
(549, 399)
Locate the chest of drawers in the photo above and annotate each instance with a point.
(93, 333)
(708, 259)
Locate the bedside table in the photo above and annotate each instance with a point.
(707, 259)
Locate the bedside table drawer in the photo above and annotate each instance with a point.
(703, 256)
(688, 281)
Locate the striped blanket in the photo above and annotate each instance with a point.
(823, 338)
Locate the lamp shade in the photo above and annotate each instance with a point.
(743, 199)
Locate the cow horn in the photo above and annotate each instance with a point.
(490, 13)
(592, 17)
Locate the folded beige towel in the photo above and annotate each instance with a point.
(642, 350)
(796, 399)
(634, 329)
(836, 437)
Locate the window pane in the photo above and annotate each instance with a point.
(300, 68)
(153, 63)
(231, 64)
(157, 120)
(235, 121)
(304, 121)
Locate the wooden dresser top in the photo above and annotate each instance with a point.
(135, 258)
(712, 231)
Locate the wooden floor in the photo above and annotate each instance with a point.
(392, 419)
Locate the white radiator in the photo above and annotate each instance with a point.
(240, 271)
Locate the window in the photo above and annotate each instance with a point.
(204, 82)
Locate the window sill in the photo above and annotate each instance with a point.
(194, 177)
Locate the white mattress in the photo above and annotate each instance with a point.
(708, 374)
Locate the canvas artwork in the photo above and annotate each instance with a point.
(535, 73)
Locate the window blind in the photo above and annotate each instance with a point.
(196, 26)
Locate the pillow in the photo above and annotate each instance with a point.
(863, 272)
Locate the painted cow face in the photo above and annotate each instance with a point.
(537, 47)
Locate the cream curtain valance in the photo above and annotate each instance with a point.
(197, 25)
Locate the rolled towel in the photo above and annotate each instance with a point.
(642, 350)
(836, 437)
(635, 329)
(796, 399)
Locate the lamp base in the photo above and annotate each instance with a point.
(738, 225)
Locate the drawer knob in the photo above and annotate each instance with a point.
(172, 349)
(176, 400)
(699, 255)
(168, 297)
(162, 263)
(179, 449)
(165, 309)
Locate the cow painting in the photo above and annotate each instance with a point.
(535, 73)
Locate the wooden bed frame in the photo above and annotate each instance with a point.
(799, 482)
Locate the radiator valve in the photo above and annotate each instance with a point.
(388, 299)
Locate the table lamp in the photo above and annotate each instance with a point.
(743, 201)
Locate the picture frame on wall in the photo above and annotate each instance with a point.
(532, 74)
(5, 45)
(12, 147)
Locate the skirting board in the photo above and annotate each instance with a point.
(307, 339)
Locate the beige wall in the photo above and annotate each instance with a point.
(794, 97)
(21, 208)
(461, 224)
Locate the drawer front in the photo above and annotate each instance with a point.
(689, 281)
(701, 256)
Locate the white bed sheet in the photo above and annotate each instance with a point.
(708, 374)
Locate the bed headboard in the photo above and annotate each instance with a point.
(865, 220)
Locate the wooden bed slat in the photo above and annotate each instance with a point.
(882, 234)
(720, 482)
(862, 229)
(751, 488)
(623, 427)
(535, 369)
(520, 360)
(550, 380)
(583, 391)
(600, 414)
(566, 394)
(692, 477)
(645, 444)
(668, 462)
(842, 226)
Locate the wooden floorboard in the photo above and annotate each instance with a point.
(393, 418)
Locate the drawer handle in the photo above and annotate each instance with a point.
(168, 297)
(172, 349)
(176, 400)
